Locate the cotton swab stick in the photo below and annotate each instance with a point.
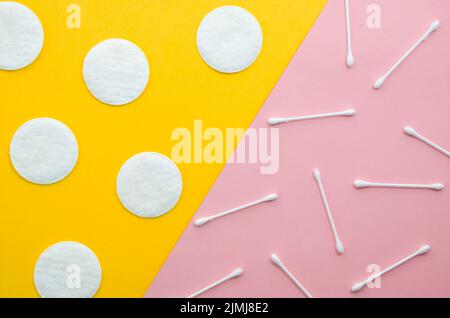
(423, 250)
(236, 273)
(280, 264)
(277, 121)
(350, 58)
(433, 27)
(367, 184)
(339, 245)
(269, 198)
(410, 131)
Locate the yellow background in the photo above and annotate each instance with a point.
(84, 206)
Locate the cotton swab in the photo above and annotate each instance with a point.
(269, 198)
(236, 273)
(280, 264)
(433, 27)
(277, 121)
(367, 184)
(410, 131)
(339, 245)
(423, 250)
(350, 59)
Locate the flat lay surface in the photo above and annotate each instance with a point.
(343, 171)
(378, 226)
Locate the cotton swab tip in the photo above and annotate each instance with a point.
(435, 25)
(317, 174)
(357, 287)
(276, 121)
(437, 186)
(340, 247)
(200, 222)
(424, 249)
(410, 131)
(236, 273)
(360, 184)
(276, 259)
(350, 60)
(349, 112)
(271, 197)
(379, 83)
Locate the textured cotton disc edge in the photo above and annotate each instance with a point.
(116, 71)
(21, 36)
(149, 184)
(43, 151)
(229, 39)
(67, 270)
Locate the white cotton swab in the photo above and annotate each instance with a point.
(350, 58)
(339, 245)
(411, 132)
(283, 120)
(423, 250)
(433, 27)
(366, 184)
(280, 264)
(269, 198)
(236, 273)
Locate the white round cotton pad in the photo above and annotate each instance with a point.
(21, 36)
(229, 39)
(43, 150)
(116, 71)
(67, 270)
(149, 184)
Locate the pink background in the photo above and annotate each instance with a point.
(376, 225)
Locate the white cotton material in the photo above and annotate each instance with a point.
(149, 184)
(21, 36)
(116, 71)
(229, 39)
(43, 150)
(67, 270)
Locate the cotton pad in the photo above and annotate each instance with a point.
(116, 71)
(149, 184)
(67, 270)
(21, 36)
(229, 39)
(43, 150)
